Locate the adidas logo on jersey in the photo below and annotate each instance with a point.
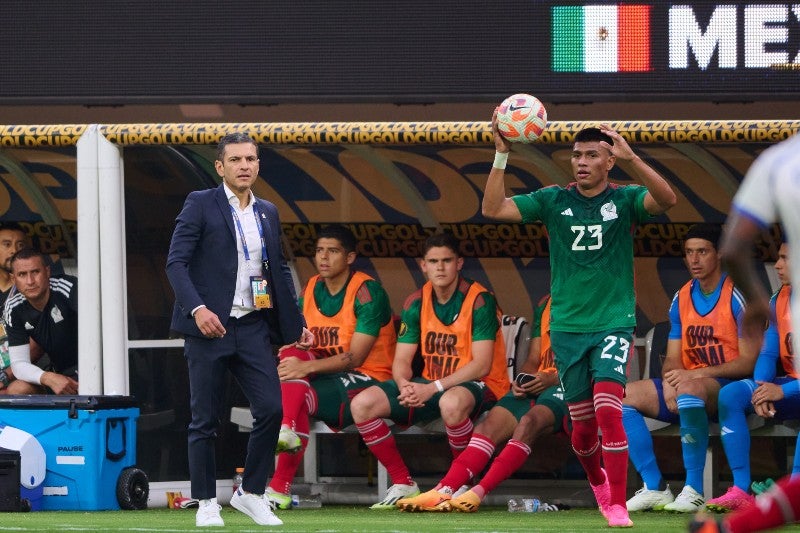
(28, 325)
(620, 369)
(567, 212)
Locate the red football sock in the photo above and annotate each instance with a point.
(779, 506)
(293, 392)
(584, 439)
(469, 463)
(293, 395)
(505, 464)
(378, 437)
(287, 463)
(458, 436)
(608, 409)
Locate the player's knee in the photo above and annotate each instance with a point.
(533, 424)
(640, 393)
(497, 426)
(294, 351)
(455, 407)
(365, 405)
(736, 394)
(697, 388)
(21, 387)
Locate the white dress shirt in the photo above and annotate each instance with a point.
(243, 297)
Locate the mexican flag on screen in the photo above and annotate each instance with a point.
(601, 38)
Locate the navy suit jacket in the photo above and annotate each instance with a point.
(202, 265)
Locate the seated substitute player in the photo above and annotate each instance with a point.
(529, 409)
(455, 323)
(354, 341)
(44, 309)
(12, 239)
(766, 395)
(705, 351)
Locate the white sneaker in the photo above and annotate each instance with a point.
(256, 507)
(208, 514)
(688, 501)
(646, 499)
(396, 492)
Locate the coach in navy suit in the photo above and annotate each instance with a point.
(234, 300)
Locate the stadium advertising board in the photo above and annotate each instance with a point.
(392, 196)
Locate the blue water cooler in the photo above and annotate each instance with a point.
(90, 448)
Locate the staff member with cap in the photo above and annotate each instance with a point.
(234, 301)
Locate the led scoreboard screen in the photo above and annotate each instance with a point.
(713, 50)
(411, 51)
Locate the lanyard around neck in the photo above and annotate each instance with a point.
(241, 233)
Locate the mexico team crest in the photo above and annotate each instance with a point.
(608, 211)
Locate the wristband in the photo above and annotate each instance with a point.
(500, 160)
(439, 385)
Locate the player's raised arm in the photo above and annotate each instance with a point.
(495, 203)
(660, 196)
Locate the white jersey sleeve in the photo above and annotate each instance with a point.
(770, 192)
(22, 367)
(754, 198)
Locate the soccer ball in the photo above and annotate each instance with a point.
(521, 118)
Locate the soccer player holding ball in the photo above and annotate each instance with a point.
(593, 313)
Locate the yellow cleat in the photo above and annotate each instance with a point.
(466, 503)
(433, 500)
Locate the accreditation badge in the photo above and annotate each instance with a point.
(262, 295)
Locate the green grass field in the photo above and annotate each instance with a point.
(339, 519)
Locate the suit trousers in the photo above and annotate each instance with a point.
(246, 351)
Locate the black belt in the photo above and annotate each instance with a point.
(250, 318)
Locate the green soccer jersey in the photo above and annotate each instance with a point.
(591, 253)
(371, 314)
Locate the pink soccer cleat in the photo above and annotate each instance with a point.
(602, 494)
(732, 500)
(617, 516)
